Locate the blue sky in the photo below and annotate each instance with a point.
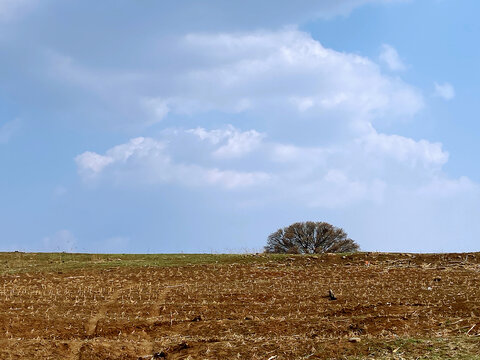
(203, 126)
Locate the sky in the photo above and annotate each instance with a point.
(204, 126)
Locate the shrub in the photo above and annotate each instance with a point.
(310, 238)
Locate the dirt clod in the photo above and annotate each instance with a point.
(160, 355)
(197, 318)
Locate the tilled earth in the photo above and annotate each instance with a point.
(398, 306)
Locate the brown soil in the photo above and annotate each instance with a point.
(398, 305)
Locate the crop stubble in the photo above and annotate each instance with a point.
(399, 305)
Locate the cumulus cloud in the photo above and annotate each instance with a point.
(317, 108)
(405, 149)
(444, 91)
(62, 240)
(362, 169)
(145, 160)
(288, 70)
(288, 77)
(90, 163)
(235, 143)
(281, 74)
(389, 56)
(359, 171)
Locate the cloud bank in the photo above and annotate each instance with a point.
(289, 79)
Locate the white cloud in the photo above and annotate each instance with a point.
(361, 169)
(90, 163)
(288, 153)
(305, 91)
(405, 149)
(289, 70)
(262, 73)
(389, 56)
(8, 129)
(336, 189)
(445, 91)
(145, 160)
(213, 136)
(62, 240)
(239, 144)
(158, 107)
(442, 187)
(232, 179)
(302, 103)
(235, 143)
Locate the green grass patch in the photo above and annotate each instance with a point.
(15, 262)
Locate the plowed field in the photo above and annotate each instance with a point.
(392, 306)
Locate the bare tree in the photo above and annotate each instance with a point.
(310, 238)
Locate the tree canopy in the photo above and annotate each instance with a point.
(310, 238)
